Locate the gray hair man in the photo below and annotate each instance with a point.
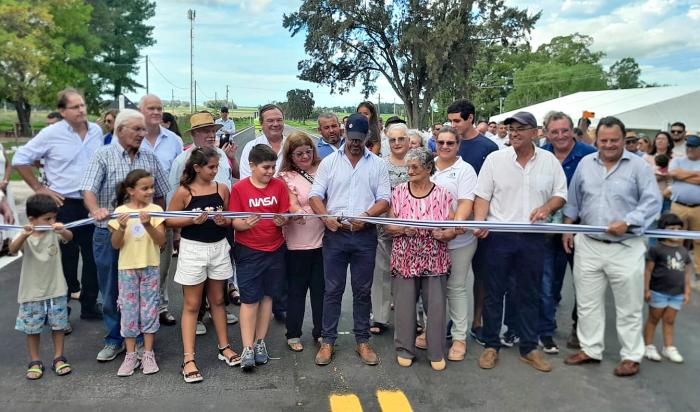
(109, 166)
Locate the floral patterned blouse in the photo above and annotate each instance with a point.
(420, 255)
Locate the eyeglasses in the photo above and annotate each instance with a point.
(519, 129)
(307, 153)
(448, 143)
(676, 131)
(138, 129)
(401, 139)
(76, 107)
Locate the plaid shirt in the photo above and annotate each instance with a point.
(110, 164)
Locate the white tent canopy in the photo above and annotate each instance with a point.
(649, 108)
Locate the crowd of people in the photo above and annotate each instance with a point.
(424, 284)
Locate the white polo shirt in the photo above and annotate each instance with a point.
(513, 191)
(460, 180)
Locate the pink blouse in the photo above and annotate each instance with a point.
(306, 233)
(422, 254)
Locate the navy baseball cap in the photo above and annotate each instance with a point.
(357, 127)
(692, 141)
(522, 118)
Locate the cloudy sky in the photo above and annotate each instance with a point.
(241, 43)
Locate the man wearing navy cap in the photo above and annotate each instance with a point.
(519, 184)
(349, 182)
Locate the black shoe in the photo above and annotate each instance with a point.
(167, 319)
(548, 345)
(478, 334)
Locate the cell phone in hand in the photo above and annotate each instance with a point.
(225, 138)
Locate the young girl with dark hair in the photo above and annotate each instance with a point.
(138, 241)
(204, 254)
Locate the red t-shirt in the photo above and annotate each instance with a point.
(274, 198)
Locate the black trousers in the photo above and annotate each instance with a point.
(304, 273)
(80, 246)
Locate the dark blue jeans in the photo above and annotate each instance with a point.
(358, 250)
(555, 261)
(106, 259)
(519, 256)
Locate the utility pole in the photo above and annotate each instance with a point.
(146, 74)
(191, 15)
(172, 99)
(227, 103)
(216, 98)
(195, 96)
(379, 105)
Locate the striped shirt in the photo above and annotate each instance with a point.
(110, 165)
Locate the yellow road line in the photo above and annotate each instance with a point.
(345, 403)
(393, 401)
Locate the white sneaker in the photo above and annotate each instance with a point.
(651, 353)
(672, 354)
(231, 318)
(201, 329)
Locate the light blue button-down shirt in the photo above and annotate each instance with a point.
(168, 146)
(66, 156)
(351, 191)
(228, 126)
(324, 149)
(681, 190)
(627, 192)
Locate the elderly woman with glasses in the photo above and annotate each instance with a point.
(304, 238)
(397, 136)
(420, 260)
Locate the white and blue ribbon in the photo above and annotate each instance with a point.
(543, 228)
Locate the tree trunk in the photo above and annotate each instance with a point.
(24, 111)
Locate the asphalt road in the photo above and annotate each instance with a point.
(294, 382)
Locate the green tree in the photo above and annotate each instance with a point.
(624, 74)
(539, 82)
(300, 104)
(418, 46)
(43, 45)
(218, 104)
(121, 26)
(569, 50)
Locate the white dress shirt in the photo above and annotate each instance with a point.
(515, 191)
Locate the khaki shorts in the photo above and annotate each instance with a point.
(199, 261)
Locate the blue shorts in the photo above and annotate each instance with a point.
(33, 316)
(259, 273)
(661, 300)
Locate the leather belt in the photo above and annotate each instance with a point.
(686, 204)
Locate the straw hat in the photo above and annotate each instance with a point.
(202, 119)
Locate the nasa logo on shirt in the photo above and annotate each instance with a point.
(452, 175)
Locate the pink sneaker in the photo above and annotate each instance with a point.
(148, 363)
(130, 364)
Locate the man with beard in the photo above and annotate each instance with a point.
(349, 182)
(330, 141)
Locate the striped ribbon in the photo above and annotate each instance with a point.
(550, 228)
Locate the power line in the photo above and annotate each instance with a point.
(163, 76)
